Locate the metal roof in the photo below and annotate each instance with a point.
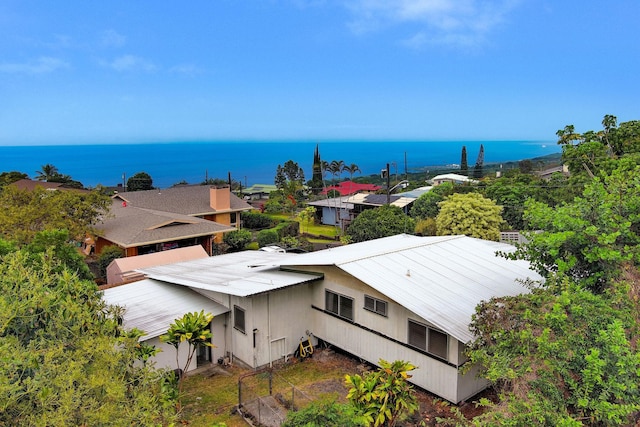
(241, 274)
(152, 306)
(441, 279)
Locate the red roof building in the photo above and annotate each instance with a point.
(346, 188)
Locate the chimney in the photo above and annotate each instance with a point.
(220, 198)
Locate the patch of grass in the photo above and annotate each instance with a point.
(210, 398)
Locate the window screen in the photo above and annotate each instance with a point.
(417, 335)
(238, 318)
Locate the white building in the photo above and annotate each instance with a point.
(397, 298)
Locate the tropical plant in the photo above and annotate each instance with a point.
(352, 169)
(47, 172)
(324, 413)
(382, 397)
(194, 329)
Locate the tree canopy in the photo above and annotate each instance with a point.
(23, 213)
(139, 182)
(65, 359)
(387, 220)
(470, 214)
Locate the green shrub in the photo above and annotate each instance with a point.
(288, 229)
(256, 221)
(267, 237)
(237, 239)
(107, 255)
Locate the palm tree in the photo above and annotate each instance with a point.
(351, 169)
(336, 167)
(47, 172)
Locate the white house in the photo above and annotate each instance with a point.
(452, 177)
(398, 298)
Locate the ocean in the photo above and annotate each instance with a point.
(251, 162)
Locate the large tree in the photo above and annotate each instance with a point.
(290, 179)
(139, 182)
(426, 206)
(387, 220)
(65, 359)
(23, 213)
(470, 214)
(47, 172)
(560, 356)
(590, 238)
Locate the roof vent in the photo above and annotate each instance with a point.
(408, 273)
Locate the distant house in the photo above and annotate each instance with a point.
(258, 191)
(547, 173)
(155, 220)
(122, 270)
(342, 210)
(453, 178)
(346, 188)
(397, 298)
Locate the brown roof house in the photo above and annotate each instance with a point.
(143, 222)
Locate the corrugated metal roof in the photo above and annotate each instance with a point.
(441, 279)
(240, 274)
(152, 306)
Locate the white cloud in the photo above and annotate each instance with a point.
(42, 65)
(452, 22)
(111, 38)
(186, 69)
(130, 63)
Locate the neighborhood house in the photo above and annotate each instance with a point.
(397, 298)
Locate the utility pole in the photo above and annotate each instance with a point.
(388, 186)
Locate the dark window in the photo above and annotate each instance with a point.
(437, 343)
(376, 305)
(417, 335)
(431, 340)
(339, 304)
(238, 319)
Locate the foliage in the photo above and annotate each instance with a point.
(237, 239)
(288, 229)
(426, 206)
(511, 192)
(7, 178)
(387, 220)
(65, 360)
(307, 215)
(470, 214)
(139, 182)
(590, 238)
(561, 356)
(382, 397)
(192, 328)
(256, 221)
(56, 243)
(426, 227)
(290, 179)
(24, 213)
(464, 165)
(47, 172)
(323, 414)
(316, 182)
(267, 237)
(107, 255)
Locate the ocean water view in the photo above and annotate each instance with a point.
(251, 162)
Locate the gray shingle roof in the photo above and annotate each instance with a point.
(186, 200)
(132, 226)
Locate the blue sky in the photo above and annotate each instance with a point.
(122, 70)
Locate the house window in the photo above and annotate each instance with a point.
(238, 319)
(339, 304)
(376, 305)
(233, 218)
(428, 339)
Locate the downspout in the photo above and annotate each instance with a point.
(269, 329)
(231, 330)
